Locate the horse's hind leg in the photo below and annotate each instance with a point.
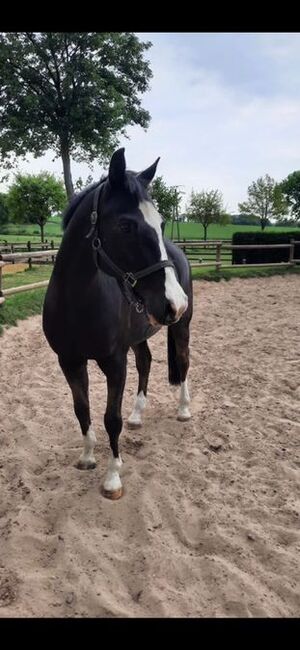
(77, 377)
(143, 364)
(178, 349)
(115, 370)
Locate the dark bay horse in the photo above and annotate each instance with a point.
(116, 281)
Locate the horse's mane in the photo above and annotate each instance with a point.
(74, 203)
(133, 184)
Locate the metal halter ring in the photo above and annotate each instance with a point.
(96, 243)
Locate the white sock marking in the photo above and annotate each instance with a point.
(136, 415)
(89, 442)
(112, 480)
(184, 411)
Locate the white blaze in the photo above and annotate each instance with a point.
(173, 291)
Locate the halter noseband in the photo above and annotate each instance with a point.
(128, 278)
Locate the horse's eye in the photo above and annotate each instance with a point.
(125, 225)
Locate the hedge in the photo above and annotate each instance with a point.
(264, 255)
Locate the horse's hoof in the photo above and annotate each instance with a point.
(116, 494)
(85, 464)
(134, 425)
(184, 417)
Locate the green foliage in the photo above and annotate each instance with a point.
(290, 188)
(265, 201)
(245, 219)
(167, 199)
(264, 255)
(73, 92)
(4, 214)
(35, 198)
(206, 207)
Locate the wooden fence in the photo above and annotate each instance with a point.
(222, 249)
(215, 249)
(14, 247)
(47, 256)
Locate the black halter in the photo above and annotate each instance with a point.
(128, 278)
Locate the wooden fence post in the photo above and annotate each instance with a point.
(218, 256)
(1, 294)
(292, 251)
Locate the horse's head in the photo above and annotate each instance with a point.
(130, 230)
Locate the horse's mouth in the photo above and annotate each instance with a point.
(156, 324)
(152, 320)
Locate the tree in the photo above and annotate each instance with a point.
(290, 188)
(167, 199)
(73, 92)
(265, 200)
(4, 214)
(206, 207)
(33, 199)
(244, 219)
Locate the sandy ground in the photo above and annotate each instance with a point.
(209, 525)
(14, 268)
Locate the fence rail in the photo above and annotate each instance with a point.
(222, 248)
(217, 246)
(12, 247)
(30, 257)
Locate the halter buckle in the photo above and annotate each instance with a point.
(130, 279)
(94, 216)
(139, 307)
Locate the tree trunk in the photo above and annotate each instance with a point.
(42, 232)
(263, 224)
(65, 155)
(205, 232)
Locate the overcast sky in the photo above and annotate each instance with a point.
(225, 109)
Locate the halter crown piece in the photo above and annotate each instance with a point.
(128, 278)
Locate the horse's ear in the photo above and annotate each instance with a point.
(148, 174)
(117, 168)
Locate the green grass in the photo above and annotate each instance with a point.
(25, 232)
(254, 272)
(215, 231)
(21, 306)
(36, 274)
(18, 233)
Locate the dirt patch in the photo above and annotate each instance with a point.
(209, 522)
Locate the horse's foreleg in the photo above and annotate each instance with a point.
(115, 370)
(180, 334)
(77, 378)
(143, 364)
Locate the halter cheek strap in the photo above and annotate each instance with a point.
(127, 277)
